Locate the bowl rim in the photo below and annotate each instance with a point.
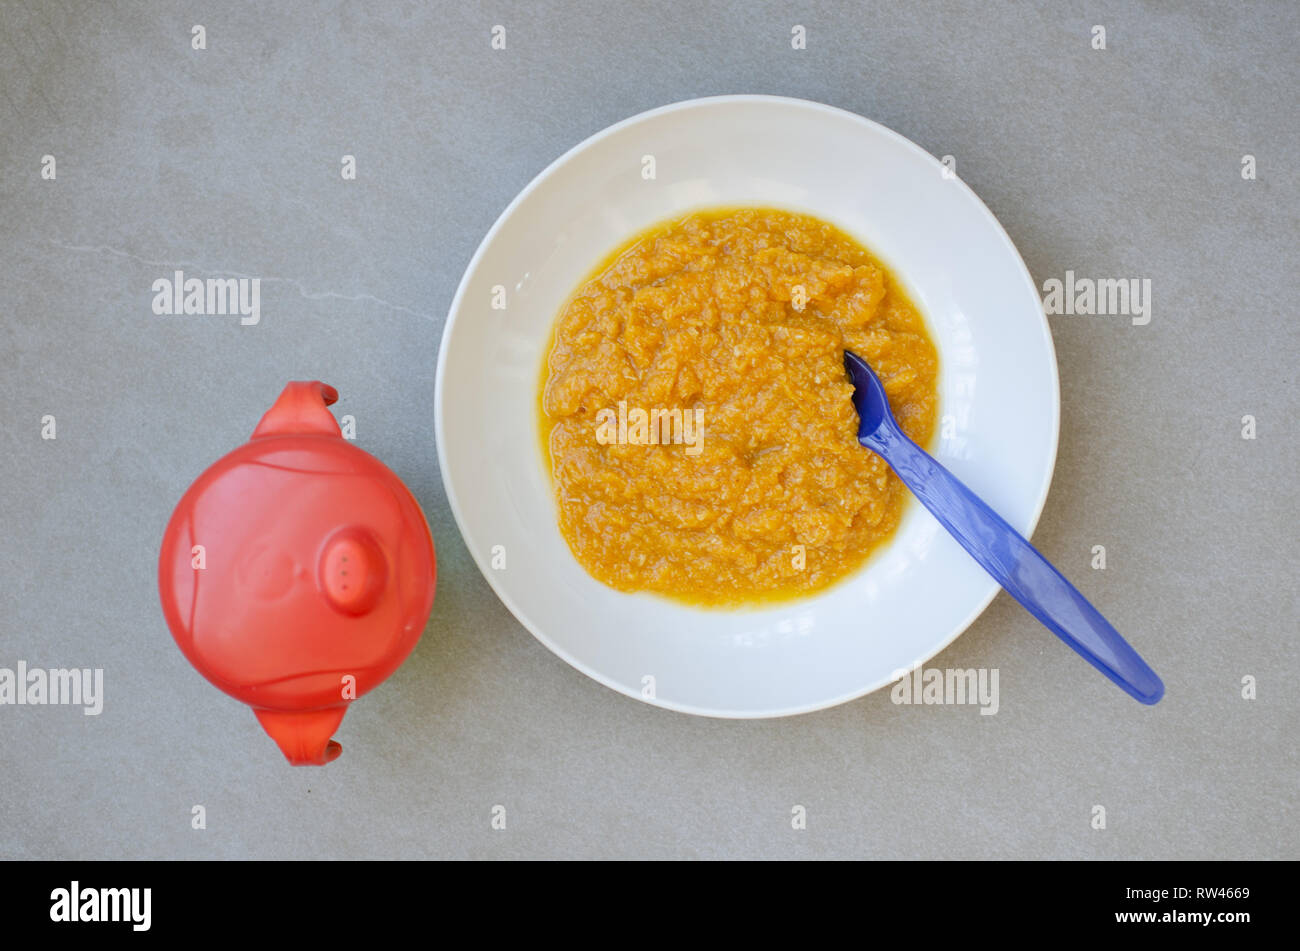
(480, 559)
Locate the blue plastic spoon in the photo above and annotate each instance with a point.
(1000, 549)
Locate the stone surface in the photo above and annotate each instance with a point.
(225, 162)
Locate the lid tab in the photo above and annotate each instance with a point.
(301, 410)
(304, 735)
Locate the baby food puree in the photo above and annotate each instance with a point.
(697, 417)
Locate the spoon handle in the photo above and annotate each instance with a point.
(1018, 567)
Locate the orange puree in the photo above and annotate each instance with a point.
(697, 416)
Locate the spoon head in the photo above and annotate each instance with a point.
(868, 396)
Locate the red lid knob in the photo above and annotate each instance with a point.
(297, 573)
(353, 571)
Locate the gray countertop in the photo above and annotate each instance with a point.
(1122, 162)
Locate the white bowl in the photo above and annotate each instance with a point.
(997, 388)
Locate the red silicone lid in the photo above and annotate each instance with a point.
(297, 573)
